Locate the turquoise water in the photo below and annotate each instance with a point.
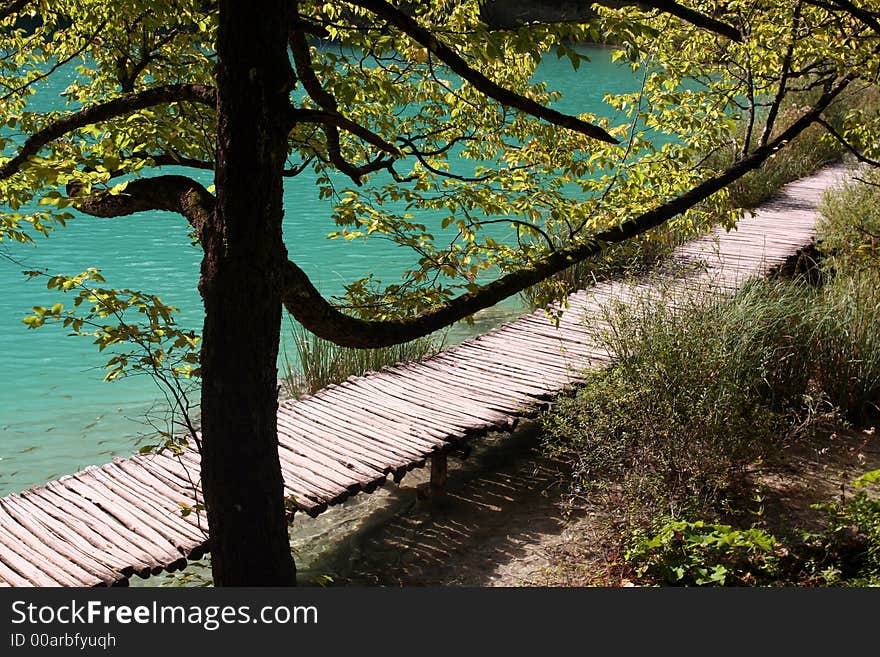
(56, 413)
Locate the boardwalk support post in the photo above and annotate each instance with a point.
(438, 475)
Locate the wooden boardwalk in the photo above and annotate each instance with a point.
(103, 524)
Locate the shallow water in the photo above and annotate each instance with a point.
(56, 414)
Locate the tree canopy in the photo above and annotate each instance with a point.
(423, 125)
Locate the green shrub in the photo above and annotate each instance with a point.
(845, 553)
(848, 551)
(682, 553)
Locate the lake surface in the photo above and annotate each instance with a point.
(58, 416)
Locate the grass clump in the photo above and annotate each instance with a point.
(847, 321)
(696, 395)
(850, 226)
(845, 342)
(319, 363)
(702, 391)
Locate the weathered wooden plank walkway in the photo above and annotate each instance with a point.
(102, 524)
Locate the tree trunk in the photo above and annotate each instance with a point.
(241, 286)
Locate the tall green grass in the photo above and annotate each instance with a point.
(698, 392)
(847, 336)
(849, 229)
(316, 363)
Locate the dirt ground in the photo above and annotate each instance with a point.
(505, 523)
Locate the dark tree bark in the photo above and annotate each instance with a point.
(241, 287)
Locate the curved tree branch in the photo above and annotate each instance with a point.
(105, 111)
(861, 157)
(869, 18)
(689, 15)
(306, 304)
(460, 67)
(330, 117)
(582, 12)
(172, 159)
(178, 194)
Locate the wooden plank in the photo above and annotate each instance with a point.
(519, 394)
(346, 463)
(173, 474)
(423, 417)
(182, 531)
(366, 455)
(388, 435)
(426, 409)
(545, 353)
(318, 465)
(505, 400)
(530, 367)
(165, 522)
(67, 572)
(391, 427)
(115, 561)
(521, 382)
(305, 483)
(449, 395)
(129, 557)
(20, 560)
(476, 397)
(303, 442)
(542, 383)
(10, 577)
(58, 537)
(85, 485)
(101, 522)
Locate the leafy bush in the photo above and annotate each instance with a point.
(845, 553)
(848, 551)
(682, 553)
